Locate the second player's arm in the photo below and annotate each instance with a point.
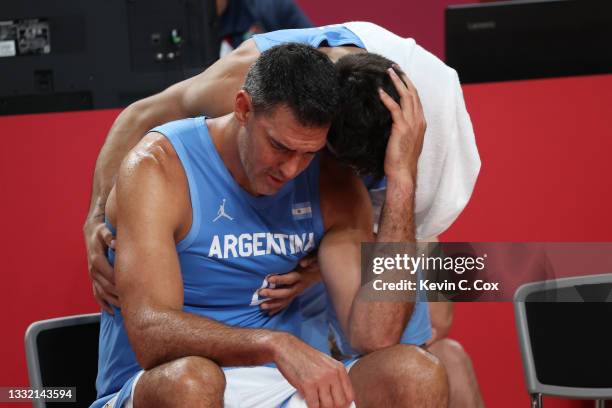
(369, 325)
(209, 93)
(441, 314)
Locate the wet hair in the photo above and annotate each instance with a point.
(360, 132)
(299, 77)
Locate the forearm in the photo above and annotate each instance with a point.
(378, 324)
(159, 336)
(396, 222)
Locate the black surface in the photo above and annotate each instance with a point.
(45, 102)
(529, 39)
(572, 343)
(69, 358)
(105, 48)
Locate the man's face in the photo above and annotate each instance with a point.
(275, 148)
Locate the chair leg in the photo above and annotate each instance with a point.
(600, 404)
(536, 401)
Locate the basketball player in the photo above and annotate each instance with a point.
(204, 209)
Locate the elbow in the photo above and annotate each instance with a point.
(445, 326)
(448, 322)
(143, 334)
(138, 106)
(146, 357)
(380, 334)
(136, 111)
(136, 115)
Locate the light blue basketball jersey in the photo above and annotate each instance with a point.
(418, 330)
(331, 36)
(235, 241)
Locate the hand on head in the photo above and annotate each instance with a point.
(408, 129)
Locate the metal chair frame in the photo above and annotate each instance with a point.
(31, 346)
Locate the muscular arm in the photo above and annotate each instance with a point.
(369, 325)
(151, 211)
(210, 93)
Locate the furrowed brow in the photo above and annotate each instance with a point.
(282, 146)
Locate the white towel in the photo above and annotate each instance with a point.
(449, 164)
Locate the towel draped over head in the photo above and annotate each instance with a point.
(449, 163)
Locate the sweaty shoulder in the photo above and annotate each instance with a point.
(153, 154)
(344, 199)
(151, 176)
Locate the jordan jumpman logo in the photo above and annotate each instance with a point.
(222, 213)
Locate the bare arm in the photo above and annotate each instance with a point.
(441, 319)
(151, 213)
(210, 93)
(371, 325)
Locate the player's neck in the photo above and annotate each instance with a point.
(224, 134)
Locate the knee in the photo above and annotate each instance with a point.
(420, 374)
(418, 365)
(415, 367)
(451, 353)
(193, 378)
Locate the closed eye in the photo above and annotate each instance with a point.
(278, 146)
(282, 148)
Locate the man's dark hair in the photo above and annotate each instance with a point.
(297, 76)
(361, 130)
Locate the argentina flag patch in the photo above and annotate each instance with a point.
(301, 211)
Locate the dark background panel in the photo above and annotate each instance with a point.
(106, 54)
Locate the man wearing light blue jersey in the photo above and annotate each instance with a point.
(205, 209)
(449, 163)
(360, 140)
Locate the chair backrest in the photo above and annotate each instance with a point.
(63, 352)
(564, 333)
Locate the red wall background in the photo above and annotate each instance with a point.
(545, 148)
(422, 20)
(546, 176)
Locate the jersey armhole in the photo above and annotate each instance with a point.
(194, 229)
